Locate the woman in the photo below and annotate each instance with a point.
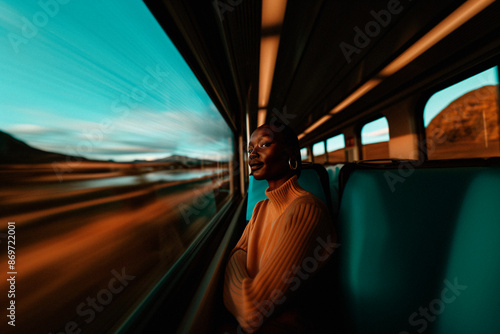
(281, 245)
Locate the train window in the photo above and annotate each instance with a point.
(462, 120)
(375, 139)
(335, 148)
(304, 154)
(113, 159)
(319, 152)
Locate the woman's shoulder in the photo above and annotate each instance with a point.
(308, 199)
(307, 210)
(260, 205)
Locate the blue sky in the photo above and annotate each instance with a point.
(443, 98)
(335, 143)
(332, 144)
(101, 79)
(378, 131)
(375, 132)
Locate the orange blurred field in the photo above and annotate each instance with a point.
(71, 234)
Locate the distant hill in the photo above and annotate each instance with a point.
(13, 150)
(187, 161)
(466, 118)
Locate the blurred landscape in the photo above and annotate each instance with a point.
(467, 127)
(77, 220)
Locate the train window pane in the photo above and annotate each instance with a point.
(113, 159)
(335, 148)
(319, 152)
(375, 139)
(462, 120)
(304, 154)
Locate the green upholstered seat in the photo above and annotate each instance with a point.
(474, 261)
(411, 240)
(333, 176)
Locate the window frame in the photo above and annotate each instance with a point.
(324, 153)
(359, 130)
(309, 155)
(342, 148)
(448, 82)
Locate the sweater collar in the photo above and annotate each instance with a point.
(282, 196)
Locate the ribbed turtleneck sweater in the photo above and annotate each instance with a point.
(284, 242)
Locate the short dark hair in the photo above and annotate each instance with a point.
(288, 137)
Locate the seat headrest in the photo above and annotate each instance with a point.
(311, 178)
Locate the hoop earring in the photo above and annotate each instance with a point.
(290, 164)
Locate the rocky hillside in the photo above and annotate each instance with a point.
(465, 119)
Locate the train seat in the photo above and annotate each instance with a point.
(473, 260)
(333, 177)
(420, 249)
(313, 178)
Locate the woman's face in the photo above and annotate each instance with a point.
(268, 157)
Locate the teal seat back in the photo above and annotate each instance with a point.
(333, 176)
(474, 262)
(405, 239)
(313, 178)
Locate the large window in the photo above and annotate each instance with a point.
(319, 152)
(375, 139)
(462, 120)
(113, 159)
(335, 149)
(331, 151)
(304, 154)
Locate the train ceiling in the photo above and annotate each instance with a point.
(336, 60)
